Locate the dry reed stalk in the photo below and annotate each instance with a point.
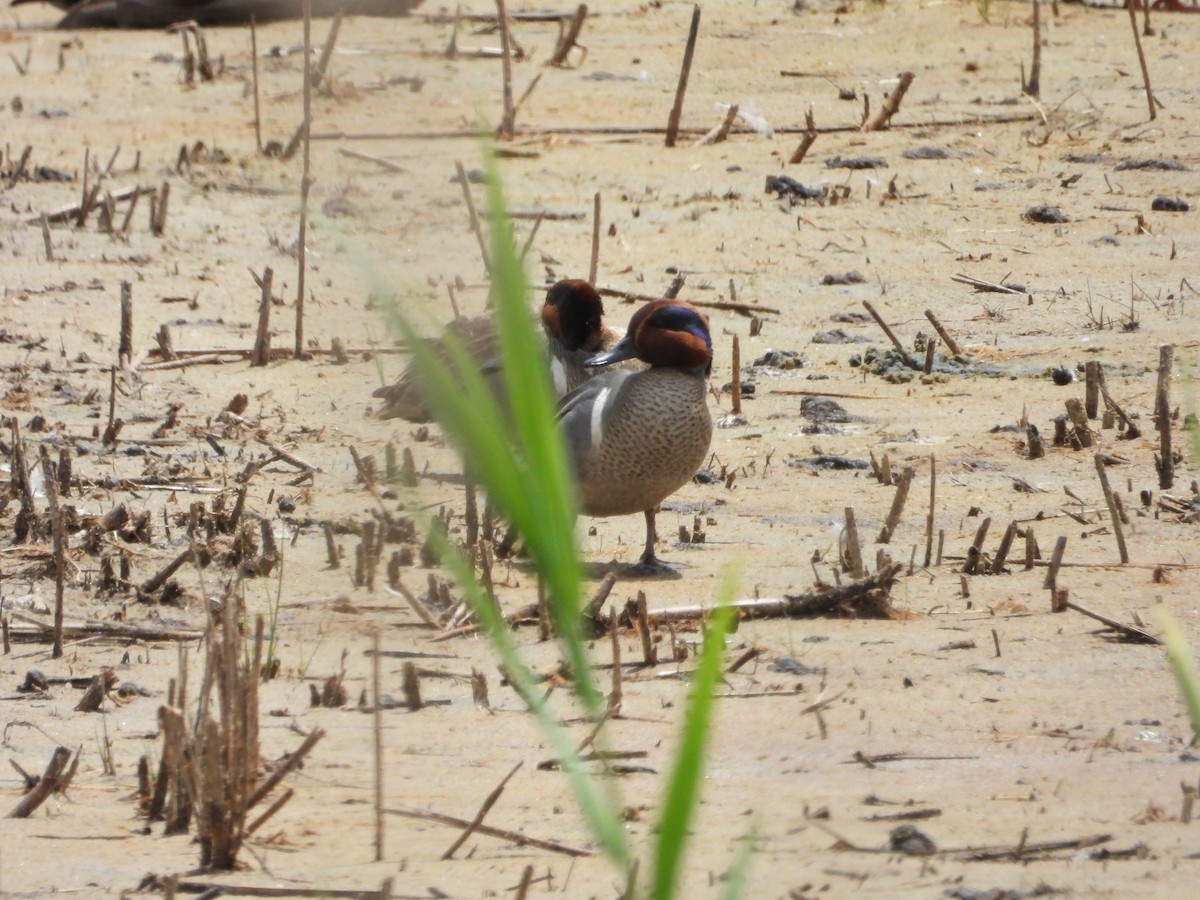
(1137, 41)
(891, 105)
(806, 142)
(125, 345)
(474, 214)
(614, 698)
(515, 837)
(853, 552)
(508, 120)
(720, 132)
(484, 809)
(1083, 432)
(649, 653)
(377, 728)
(320, 69)
(974, 552)
(1033, 86)
(1131, 430)
(594, 266)
(166, 344)
(411, 686)
(1034, 440)
(1162, 414)
(270, 811)
(1114, 514)
(893, 518)
(1051, 582)
(1091, 398)
(569, 39)
(522, 891)
(736, 391)
(525, 94)
(471, 515)
(254, 70)
(602, 591)
(866, 597)
(423, 612)
(54, 779)
(59, 531)
(997, 566)
(331, 549)
(891, 335)
(158, 209)
(479, 689)
(684, 72)
(929, 519)
(26, 522)
(223, 752)
(537, 223)
(46, 238)
(305, 181)
(87, 195)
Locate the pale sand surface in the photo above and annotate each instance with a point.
(1065, 735)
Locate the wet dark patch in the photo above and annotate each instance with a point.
(1154, 165)
(1044, 215)
(838, 336)
(851, 277)
(780, 359)
(828, 463)
(823, 409)
(1169, 204)
(856, 162)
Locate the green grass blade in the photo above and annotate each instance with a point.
(1179, 654)
(599, 810)
(739, 869)
(515, 450)
(548, 523)
(675, 818)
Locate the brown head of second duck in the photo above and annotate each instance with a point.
(637, 437)
(573, 322)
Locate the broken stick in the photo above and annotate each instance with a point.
(891, 105)
(684, 72)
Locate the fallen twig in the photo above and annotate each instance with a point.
(484, 809)
(684, 71)
(56, 778)
(849, 596)
(1127, 632)
(891, 105)
(517, 838)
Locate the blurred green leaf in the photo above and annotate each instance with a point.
(678, 810)
(1182, 664)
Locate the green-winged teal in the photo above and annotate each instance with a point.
(637, 437)
(573, 320)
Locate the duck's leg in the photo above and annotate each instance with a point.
(648, 557)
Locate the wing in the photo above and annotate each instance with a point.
(585, 411)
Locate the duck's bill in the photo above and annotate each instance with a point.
(623, 350)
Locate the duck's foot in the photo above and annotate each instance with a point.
(649, 565)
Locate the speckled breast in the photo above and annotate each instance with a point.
(651, 445)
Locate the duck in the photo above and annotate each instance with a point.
(636, 437)
(573, 321)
